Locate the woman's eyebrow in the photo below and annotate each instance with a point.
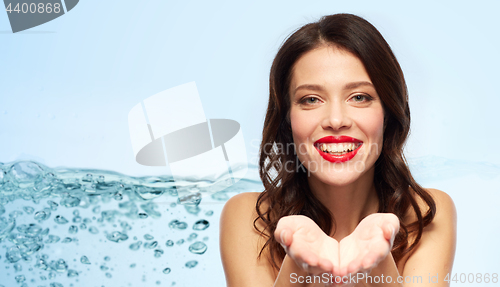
(320, 88)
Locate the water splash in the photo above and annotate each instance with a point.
(43, 210)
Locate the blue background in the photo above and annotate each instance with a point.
(66, 88)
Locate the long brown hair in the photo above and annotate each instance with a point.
(287, 192)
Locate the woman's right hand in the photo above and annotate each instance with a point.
(304, 242)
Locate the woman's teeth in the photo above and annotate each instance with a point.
(339, 148)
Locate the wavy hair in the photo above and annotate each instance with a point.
(287, 192)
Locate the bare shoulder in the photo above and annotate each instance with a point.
(241, 203)
(438, 241)
(445, 207)
(241, 243)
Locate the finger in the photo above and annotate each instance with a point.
(354, 266)
(284, 237)
(325, 265)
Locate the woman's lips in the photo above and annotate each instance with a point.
(341, 143)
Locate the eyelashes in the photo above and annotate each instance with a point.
(359, 98)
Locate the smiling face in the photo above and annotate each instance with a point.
(336, 115)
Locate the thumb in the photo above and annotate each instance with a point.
(389, 233)
(284, 237)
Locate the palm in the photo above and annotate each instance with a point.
(370, 242)
(316, 252)
(307, 244)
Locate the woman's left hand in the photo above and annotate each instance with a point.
(368, 244)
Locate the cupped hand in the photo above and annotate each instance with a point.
(310, 248)
(369, 244)
(317, 253)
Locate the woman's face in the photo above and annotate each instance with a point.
(336, 115)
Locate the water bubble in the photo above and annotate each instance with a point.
(166, 270)
(76, 212)
(176, 224)
(100, 179)
(221, 196)
(104, 268)
(52, 205)
(169, 243)
(66, 240)
(150, 209)
(192, 209)
(72, 273)
(52, 239)
(93, 230)
(33, 230)
(59, 265)
(117, 236)
(180, 241)
(209, 213)
(13, 254)
(83, 226)
(84, 260)
(107, 258)
(198, 247)
(151, 245)
(18, 267)
(59, 219)
(87, 178)
(45, 232)
(135, 246)
(191, 199)
(192, 236)
(55, 284)
(201, 224)
(41, 215)
(147, 193)
(70, 201)
(158, 253)
(27, 209)
(148, 237)
(40, 263)
(132, 265)
(118, 196)
(108, 275)
(143, 215)
(125, 226)
(87, 220)
(25, 173)
(77, 219)
(96, 209)
(173, 204)
(191, 264)
(20, 278)
(73, 229)
(6, 226)
(15, 214)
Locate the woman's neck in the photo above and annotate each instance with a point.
(348, 204)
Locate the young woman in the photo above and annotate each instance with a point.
(340, 205)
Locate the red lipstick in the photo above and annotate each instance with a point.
(337, 139)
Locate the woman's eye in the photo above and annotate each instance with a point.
(361, 98)
(310, 100)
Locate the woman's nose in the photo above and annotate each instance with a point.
(336, 117)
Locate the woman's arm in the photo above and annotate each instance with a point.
(240, 245)
(434, 254)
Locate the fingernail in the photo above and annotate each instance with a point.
(392, 234)
(283, 236)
